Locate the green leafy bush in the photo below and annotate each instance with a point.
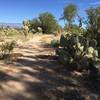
(48, 22)
(45, 23)
(34, 24)
(55, 43)
(93, 27)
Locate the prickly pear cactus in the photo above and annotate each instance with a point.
(77, 49)
(63, 41)
(93, 43)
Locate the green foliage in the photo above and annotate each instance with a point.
(74, 29)
(48, 22)
(7, 48)
(34, 24)
(93, 29)
(69, 13)
(77, 51)
(55, 43)
(93, 17)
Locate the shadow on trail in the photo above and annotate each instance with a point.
(4, 77)
(55, 82)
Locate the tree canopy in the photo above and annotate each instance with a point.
(69, 13)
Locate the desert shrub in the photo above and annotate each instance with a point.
(34, 24)
(93, 23)
(48, 23)
(44, 23)
(7, 48)
(9, 32)
(78, 52)
(54, 43)
(75, 29)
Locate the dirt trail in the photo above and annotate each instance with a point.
(31, 76)
(35, 75)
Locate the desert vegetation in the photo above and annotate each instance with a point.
(46, 61)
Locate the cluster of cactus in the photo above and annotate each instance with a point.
(26, 25)
(77, 51)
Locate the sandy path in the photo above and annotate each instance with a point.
(36, 75)
(32, 76)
